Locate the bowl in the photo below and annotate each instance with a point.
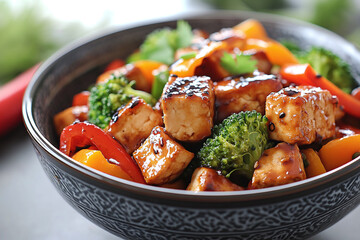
(135, 211)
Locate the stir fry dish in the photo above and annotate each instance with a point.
(227, 111)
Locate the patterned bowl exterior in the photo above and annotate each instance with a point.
(134, 211)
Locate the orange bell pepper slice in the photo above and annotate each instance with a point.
(186, 68)
(276, 52)
(96, 160)
(315, 165)
(339, 151)
(251, 28)
(258, 39)
(304, 74)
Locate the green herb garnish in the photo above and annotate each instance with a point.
(160, 45)
(189, 55)
(159, 83)
(241, 64)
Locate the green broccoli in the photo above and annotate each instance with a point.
(105, 98)
(236, 144)
(328, 65)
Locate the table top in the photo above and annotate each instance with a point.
(31, 208)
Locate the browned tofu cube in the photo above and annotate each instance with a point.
(207, 179)
(133, 124)
(301, 114)
(244, 94)
(70, 115)
(188, 107)
(263, 63)
(160, 158)
(277, 166)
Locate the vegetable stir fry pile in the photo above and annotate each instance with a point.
(227, 111)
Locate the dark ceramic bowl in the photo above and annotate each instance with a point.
(135, 211)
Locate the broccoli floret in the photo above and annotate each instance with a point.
(105, 98)
(330, 66)
(236, 144)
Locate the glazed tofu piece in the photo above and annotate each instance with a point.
(277, 166)
(69, 116)
(244, 94)
(207, 179)
(160, 158)
(301, 114)
(263, 63)
(188, 107)
(132, 124)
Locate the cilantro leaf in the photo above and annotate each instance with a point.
(161, 44)
(239, 65)
(184, 34)
(157, 46)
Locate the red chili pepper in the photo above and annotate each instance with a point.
(11, 95)
(117, 63)
(304, 74)
(81, 99)
(85, 134)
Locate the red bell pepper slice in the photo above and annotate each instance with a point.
(81, 99)
(304, 74)
(115, 64)
(84, 134)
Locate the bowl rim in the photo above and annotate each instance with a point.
(160, 192)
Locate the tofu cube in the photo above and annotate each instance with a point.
(133, 124)
(277, 166)
(188, 107)
(244, 94)
(301, 114)
(69, 116)
(160, 158)
(207, 179)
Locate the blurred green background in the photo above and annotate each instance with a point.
(28, 36)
